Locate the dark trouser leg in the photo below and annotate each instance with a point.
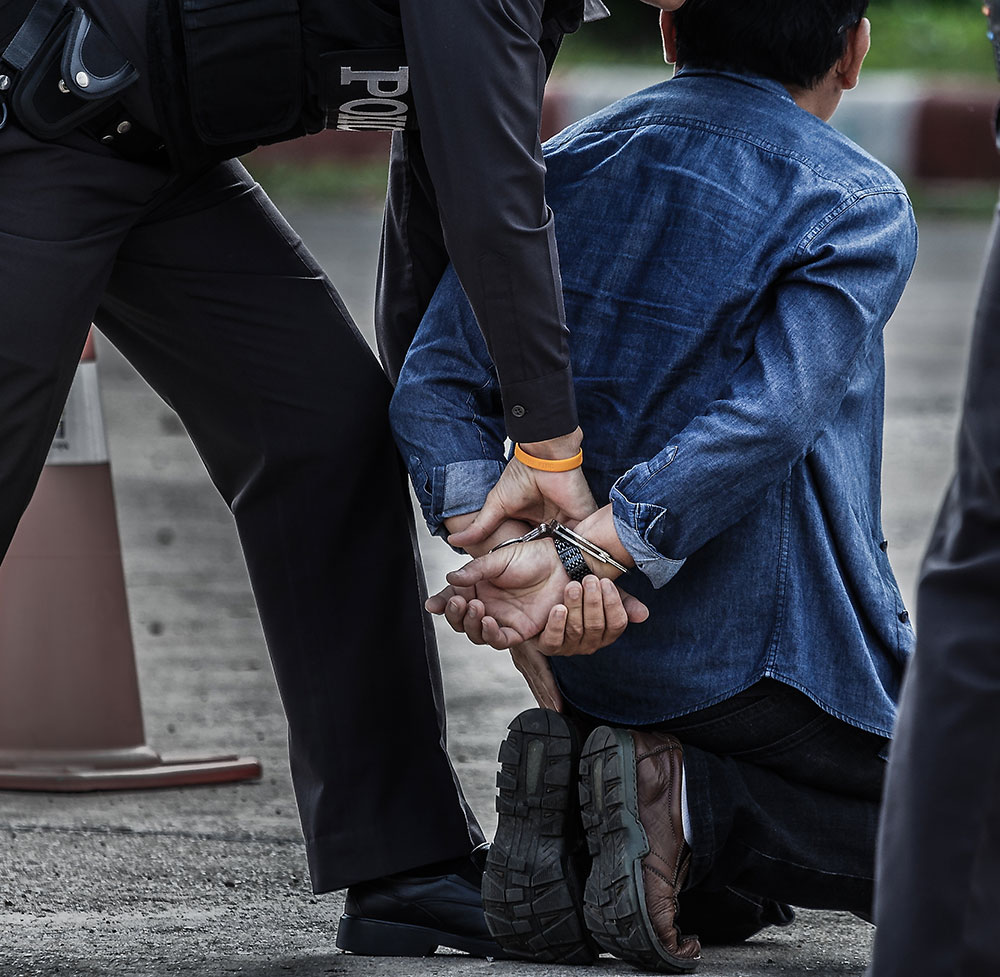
(64, 209)
(224, 312)
(783, 800)
(938, 897)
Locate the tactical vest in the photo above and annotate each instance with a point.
(231, 75)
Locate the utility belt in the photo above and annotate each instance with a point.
(59, 72)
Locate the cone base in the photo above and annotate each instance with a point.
(162, 772)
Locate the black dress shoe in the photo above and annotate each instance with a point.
(412, 914)
(538, 863)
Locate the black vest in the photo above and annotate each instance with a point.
(230, 75)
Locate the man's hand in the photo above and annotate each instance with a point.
(665, 4)
(507, 529)
(516, 586)
(590, 616)
(533, 496)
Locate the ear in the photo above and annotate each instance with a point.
(859, 40)
(669, 34)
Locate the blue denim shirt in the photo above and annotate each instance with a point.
(729, 261)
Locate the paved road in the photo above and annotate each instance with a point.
(211, 881)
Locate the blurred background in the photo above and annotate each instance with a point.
(926, 95)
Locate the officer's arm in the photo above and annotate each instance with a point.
(478, 76)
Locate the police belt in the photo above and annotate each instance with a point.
(59, 72)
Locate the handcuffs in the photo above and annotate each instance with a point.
(570, 547)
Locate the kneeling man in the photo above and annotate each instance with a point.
(729, 261)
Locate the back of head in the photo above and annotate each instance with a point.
(795, 42)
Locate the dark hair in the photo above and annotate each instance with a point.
(795, 42)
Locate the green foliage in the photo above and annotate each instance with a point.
(943, 36)
(332, 180)
(946, 36)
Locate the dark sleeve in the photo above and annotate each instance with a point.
(471, 183)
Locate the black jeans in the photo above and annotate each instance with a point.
(213, 298)
(783, 799)
(938, 894)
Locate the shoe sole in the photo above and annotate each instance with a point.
(614, 904)
(379, 938)
(533, 882)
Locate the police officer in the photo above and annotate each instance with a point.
(121, 204)
(939, 843)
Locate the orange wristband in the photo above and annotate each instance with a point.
(547, 464)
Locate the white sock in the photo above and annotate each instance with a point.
(685, 813)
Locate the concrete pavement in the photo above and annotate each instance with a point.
(207, 881)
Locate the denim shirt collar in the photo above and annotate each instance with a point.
(755, 81)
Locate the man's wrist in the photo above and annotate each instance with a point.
(599, 528)
(555, 449)
(508, 529)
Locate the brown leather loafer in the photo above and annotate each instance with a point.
(631, 803)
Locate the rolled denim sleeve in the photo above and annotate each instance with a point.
(633, 523)
(445, 411)
(821, 327)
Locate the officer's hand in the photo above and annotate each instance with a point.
(532, 496)
(665, 4)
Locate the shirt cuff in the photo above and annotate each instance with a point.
(537, 410)
(630, 520)
(459, 488)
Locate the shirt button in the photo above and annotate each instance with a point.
(518, 411)
(904, 616)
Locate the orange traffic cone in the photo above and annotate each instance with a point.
(70, 713)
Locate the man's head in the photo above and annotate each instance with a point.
(810, 46)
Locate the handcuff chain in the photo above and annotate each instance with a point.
(556, 530)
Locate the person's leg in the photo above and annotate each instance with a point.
(937, 898)
(783, 799)
(64, 208)
(223, 311)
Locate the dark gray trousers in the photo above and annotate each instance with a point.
(212, 297)
(938, 882)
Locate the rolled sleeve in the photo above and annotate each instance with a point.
(459, 488)
(824, 326)
(635, 524)
(445, 411)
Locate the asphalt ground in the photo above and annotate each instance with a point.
(212, 880)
